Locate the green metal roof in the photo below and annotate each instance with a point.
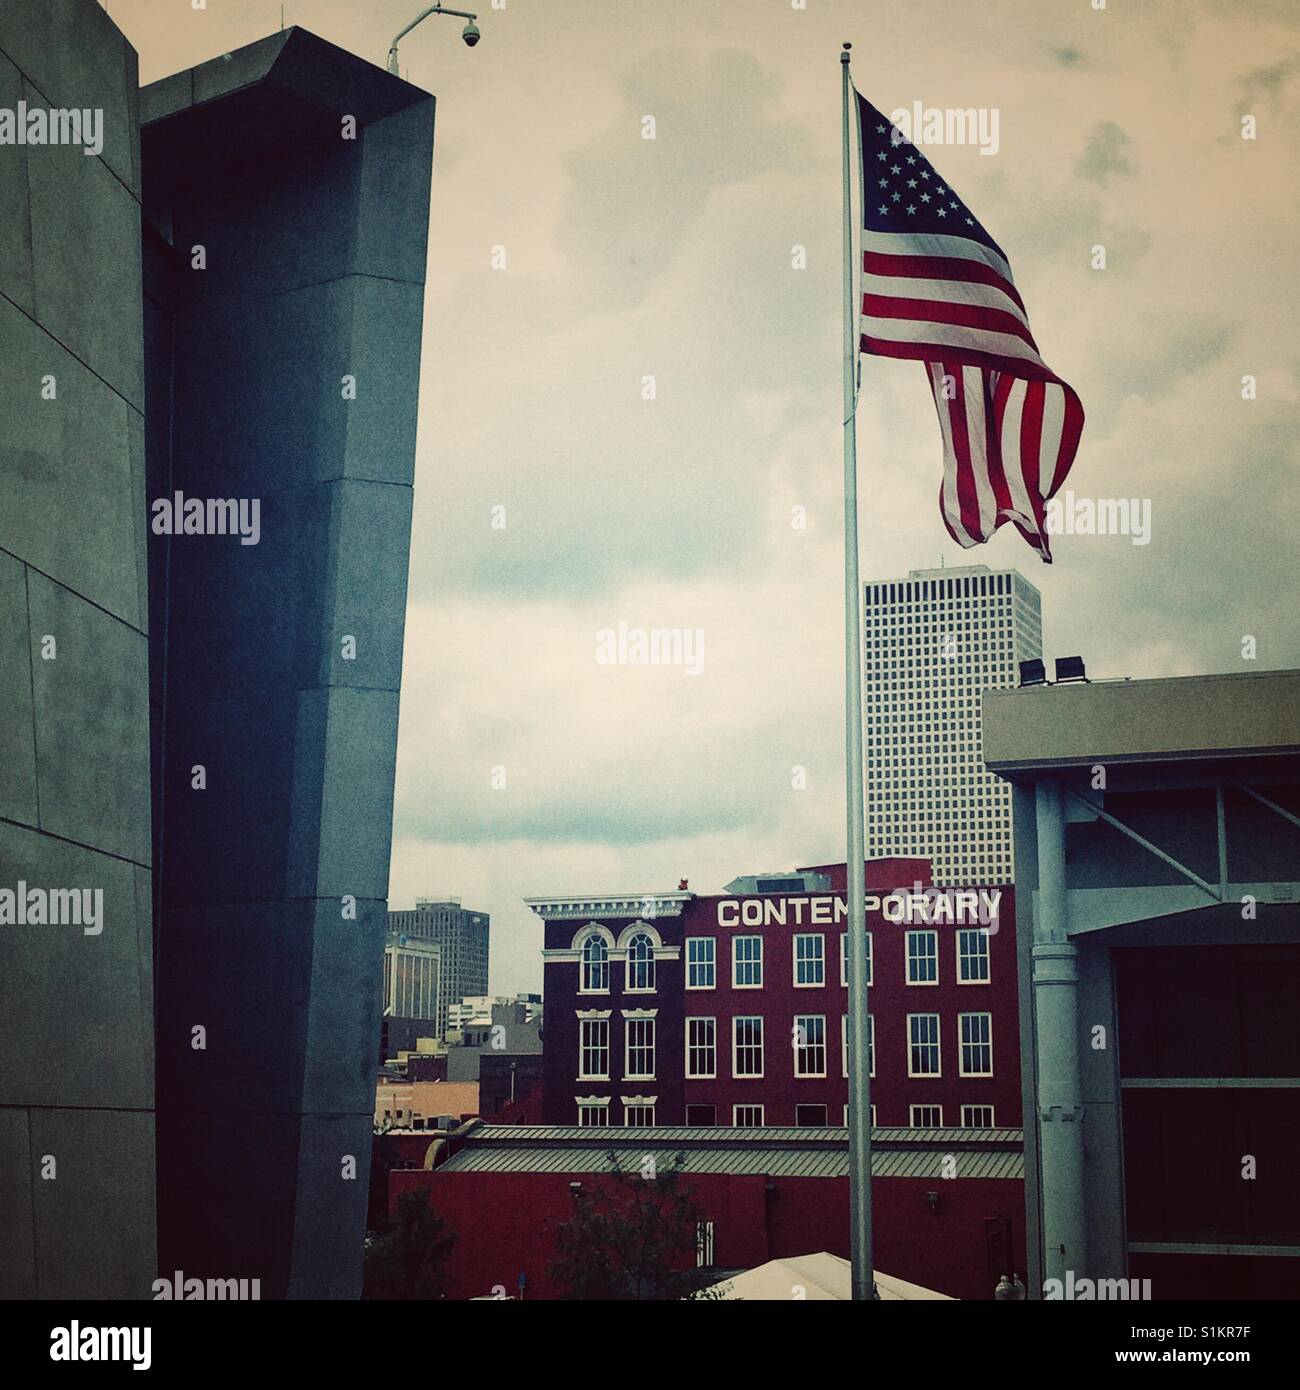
(773, 1152)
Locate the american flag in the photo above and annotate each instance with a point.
(936, 287)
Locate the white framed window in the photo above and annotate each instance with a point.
(593, 1112)
(873, 1117)
(923, 1045)
(593, 1049)
(977, 1117)
(810, 1116)
(923, 958)
(809, 960)
(748, 1116)
(844, 960)
(638, 1114)
(595, 966)
(973, 956)
(871, 1044)
(925, 1116)
(701, 962)
(701, 1048)
(747, 1046)
(747, 962)
(640, 977)
(704, 1244)
(976, 1031)
(809, 1036)
(639, 1054)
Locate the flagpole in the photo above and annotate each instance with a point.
(864, 1284)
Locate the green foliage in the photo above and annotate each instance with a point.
(632, 1235)
(408, 1261)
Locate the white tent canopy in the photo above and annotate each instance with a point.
(810, 1277)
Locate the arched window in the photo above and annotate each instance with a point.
(595, 965)
(640, 962)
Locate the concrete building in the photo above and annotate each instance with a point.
(462, 936)
(948, 1209)
(730, 1009)
(931, 645)
(77, 1209)
(479, 1011)
(286, 191)
(505, 1027)
(210, 316)
(1157, 832)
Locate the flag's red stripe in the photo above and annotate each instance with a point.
(970, 357)
(1031, 436)
(1071, 430)
(936, 311)
(967, 497)
(994, 404)
(941, 268)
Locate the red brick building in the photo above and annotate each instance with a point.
(684, 1009)
(949, 1208)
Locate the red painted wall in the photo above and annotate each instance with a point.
(946, 1251)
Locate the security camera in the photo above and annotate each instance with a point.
(471, 34)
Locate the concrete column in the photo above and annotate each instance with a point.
(1056, 1011)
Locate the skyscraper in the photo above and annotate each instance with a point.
(932, 643)
(462, 938)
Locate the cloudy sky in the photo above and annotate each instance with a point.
(626, 258)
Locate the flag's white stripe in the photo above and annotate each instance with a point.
(929, 244)
(948, 495)
(1012, 463)
(1053, 428)
(950, 335)
(972, 379)
(943, 292)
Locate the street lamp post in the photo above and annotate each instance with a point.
(470, 33)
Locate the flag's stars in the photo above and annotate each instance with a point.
(942, 190)
(953, 206)
(925, 173)
(911, 183)
(894, 197)
(884, 183)
(942, 213)
(911, 209)
(911, 159)
(882, 155)
(925, 197)
(894, 169)
(970, 221)
(883, 209)
(880, 130)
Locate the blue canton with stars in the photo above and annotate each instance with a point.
(903, 192)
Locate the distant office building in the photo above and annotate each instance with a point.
(410, 999)
(932, 644)
(461, 935)
(1159, 946)
(499, 1027)
(482, 1009)
(411, 971)
(731, 1009)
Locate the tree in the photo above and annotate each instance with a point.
(409, 1259)
(633, 1235)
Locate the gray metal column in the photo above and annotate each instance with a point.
(1060, 1107)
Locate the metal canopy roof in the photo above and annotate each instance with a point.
(774, 1152)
